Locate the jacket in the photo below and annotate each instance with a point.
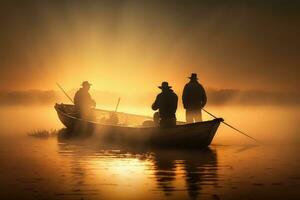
(166, 102)
(194, 96)
(83, 100)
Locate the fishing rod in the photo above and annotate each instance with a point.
(61, 88)
(232, 126)
(118, 104)
(65, 93)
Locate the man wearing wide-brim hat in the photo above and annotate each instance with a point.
(83, 101)
(166, 103)
(194, 99)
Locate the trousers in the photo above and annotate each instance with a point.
(193, 115)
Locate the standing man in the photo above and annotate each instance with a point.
(166, 103)
(83, 101)
(194, 99)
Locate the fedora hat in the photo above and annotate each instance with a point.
(164, 85)
(85, 83)
(193, 76)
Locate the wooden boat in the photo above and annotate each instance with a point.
(130, 129)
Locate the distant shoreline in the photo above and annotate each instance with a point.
(215, 97)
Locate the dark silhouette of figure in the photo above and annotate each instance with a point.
(166, 103)
(164, 166)
(83, 101)
(200, 169)
(194, 99)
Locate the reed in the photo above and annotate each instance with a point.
(43, 133)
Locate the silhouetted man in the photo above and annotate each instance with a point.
(83, 101)
(194, 99)
(166, 103)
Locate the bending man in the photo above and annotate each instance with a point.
(166, 103)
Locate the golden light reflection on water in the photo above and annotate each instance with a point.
(135, 173)
(67, 169)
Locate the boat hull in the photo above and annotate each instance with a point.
(193, 135)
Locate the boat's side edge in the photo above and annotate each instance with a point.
(64, 117)
(69, 121)
(213, 130)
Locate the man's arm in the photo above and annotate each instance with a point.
(92, 102)
(184, 96)
(175, 101)
(75, 99)
(155, 105)
(204, 97)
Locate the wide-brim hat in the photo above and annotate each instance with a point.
(193, 76)
(86, 83)
(164, 85)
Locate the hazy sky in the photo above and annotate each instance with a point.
(134, 45)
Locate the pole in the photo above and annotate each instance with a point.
(118, 104)
(65, 93)
(232, 126)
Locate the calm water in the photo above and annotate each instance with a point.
(232, 168)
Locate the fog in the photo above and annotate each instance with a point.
(142, 99)
(135, 45)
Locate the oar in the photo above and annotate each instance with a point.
(232, 127)
(65, 93)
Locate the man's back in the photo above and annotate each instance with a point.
(194, 95)
(82, 98)
(166, 102)
(83, 103)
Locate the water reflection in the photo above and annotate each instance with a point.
(168, 170)
(86, 169)
(165, 172)
(198, 168)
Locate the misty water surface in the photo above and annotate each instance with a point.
(232, 168)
